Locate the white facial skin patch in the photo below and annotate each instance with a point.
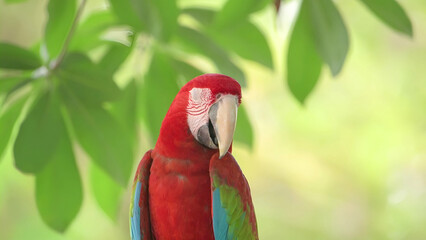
(198, 108)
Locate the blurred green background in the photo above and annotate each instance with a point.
(348, 164)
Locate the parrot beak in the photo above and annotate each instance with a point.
(224, 119)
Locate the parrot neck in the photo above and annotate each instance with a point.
(175, 139)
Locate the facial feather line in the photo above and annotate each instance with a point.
(198, 105)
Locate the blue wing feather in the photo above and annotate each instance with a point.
(220, 224)
(140, 225)
(135, 217)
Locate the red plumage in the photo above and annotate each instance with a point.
(180, 195)
(179, 188)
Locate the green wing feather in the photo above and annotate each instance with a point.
(232, 208)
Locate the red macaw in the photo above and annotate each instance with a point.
(189, 186)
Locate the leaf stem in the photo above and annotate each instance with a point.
(64, 49)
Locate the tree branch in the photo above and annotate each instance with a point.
(64, 49)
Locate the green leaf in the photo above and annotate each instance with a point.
(8, 83)
(15, 57)
(125, 109)
(392, 14)
(160, 89)
(15, 1)
(243, 38)
(237, 10)
(8, 116)
(203, 15)
(61, 16)
(199, 43)
(102, 137)
(160, 16)
(106, 191)
(59, 192)
(126, 14)
(114, 57)
(331, 36)
(302, 54)
(141, 102)
(90, 83)
(246, 40)
(89, 32)
(168, 15)
(12, 89)
(186, 70)
(38, 135)
(244, 130)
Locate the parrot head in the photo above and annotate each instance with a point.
(202, 117)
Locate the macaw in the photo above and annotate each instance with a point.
(190, 186)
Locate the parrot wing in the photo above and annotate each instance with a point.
(232, 208)
(140, 226)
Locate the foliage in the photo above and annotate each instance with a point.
(65, 92)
